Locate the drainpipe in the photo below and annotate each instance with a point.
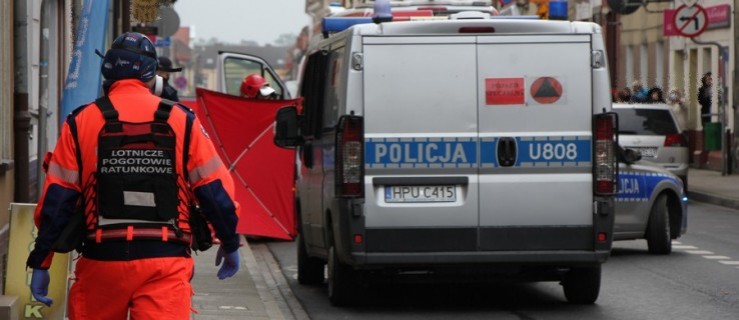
(612, 46)
(22, 119)
(126, 17)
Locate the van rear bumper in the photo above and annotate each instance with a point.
(563, 258)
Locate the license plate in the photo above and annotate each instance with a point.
(420, 193)
(647, 152)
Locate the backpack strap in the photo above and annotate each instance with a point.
(112, 124)
(190, 118)
(163, 111)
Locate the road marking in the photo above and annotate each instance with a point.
(709, 255)
(232, 307)
(684, 247)
(717, 257)
(699, 252)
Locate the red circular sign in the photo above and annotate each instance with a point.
(690, 21)
(546, 90)
(180, 82)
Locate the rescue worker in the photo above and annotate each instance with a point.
(255, 87)
(163, 70)
(135, 164)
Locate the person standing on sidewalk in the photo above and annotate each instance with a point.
(164, 69)
(705, 97)
(135, 163)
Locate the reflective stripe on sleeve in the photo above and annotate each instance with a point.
(205, 170)
(66, 175)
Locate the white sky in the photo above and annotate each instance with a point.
(231, 21)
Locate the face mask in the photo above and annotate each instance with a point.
(673, 96)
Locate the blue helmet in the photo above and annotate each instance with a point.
(131, 56)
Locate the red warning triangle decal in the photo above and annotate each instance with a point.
(546, 90)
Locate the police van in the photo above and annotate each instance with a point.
(454, 147)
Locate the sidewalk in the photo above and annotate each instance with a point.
(258, 291)
(711, 187)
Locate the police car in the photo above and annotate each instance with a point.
(651, 203)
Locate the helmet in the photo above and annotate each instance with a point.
(254, 84)
(131, 56)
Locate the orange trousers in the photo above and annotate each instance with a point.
(152, 288)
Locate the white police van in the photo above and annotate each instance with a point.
(480, 146)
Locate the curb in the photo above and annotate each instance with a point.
(271, 305)
(273, 289)
(713, 199)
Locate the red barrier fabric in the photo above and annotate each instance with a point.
(242, 131)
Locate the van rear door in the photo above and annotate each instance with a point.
(420, 122)
(535, 127)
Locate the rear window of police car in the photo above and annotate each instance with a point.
(645, 122)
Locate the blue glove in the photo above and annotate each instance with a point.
(230, 265)
(40, 286)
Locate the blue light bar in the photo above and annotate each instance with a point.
(336, 24)
(382, 11)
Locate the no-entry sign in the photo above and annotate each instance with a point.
(690, 21)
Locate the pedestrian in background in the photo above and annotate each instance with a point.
(639, 93)
(624, 95)
(705, 95)
(164, 68)
(135, 165)
(655, 95)
(678, 108)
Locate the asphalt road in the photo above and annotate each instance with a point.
(699, 280)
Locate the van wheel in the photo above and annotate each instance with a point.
(310, 269)
(658, 228)
(342, 281)
(582, 285)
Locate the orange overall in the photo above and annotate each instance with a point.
(139, 269)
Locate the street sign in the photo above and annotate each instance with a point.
(168, 22)
(690, 21)
(180, 82)
(163, 42)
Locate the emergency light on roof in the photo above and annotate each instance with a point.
(382, 11)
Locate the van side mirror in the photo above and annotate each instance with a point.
(286, 128)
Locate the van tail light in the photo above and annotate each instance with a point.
(675, 140)
(605, 166)
(350, 157)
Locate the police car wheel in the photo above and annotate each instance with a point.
(658, 229)
(582, 285)
(342, 281)
(310, 269)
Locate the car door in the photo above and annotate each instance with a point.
(233, 67)
(632, 202)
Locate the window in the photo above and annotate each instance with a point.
(333, 89)
(235, 70)
(313, 90)
(645, 122)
